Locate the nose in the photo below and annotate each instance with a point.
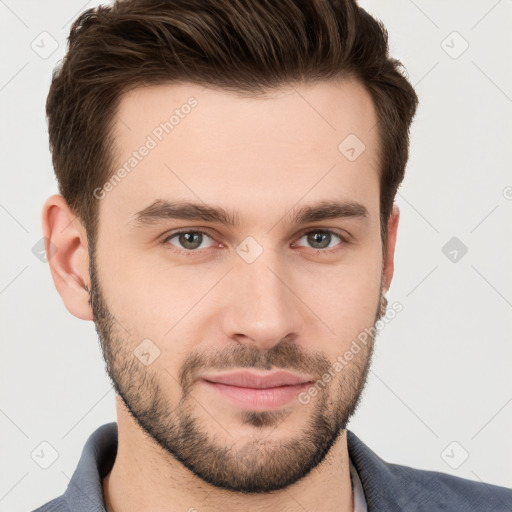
(262, 308)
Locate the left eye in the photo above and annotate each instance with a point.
(192, 241)
(319, 238)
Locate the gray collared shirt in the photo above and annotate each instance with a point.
(378, 485)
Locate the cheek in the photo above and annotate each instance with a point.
(345, 296)
(142, 302)
(350, 279)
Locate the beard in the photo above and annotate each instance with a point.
(262, 464)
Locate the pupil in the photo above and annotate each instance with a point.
(187, 240)
(315, 236)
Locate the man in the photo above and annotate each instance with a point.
(227, 173)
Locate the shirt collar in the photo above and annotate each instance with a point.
(369, 474)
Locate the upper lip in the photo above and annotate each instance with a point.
(247, 379)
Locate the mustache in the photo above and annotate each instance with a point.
(285, 355)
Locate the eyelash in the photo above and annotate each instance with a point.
(195, 252)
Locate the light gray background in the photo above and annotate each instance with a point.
(442, 367)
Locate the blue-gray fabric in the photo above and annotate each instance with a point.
(387, 487)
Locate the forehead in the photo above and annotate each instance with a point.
(310, 113)
(297, 143)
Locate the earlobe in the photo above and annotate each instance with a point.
(388, 267)
(67, 251)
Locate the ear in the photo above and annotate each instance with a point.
(388, 264)
(67, 253)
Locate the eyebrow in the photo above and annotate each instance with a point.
(162, 209)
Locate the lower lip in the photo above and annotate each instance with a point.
(258, 399)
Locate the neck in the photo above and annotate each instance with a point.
(146, 477)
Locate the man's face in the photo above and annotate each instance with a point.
(263, 294)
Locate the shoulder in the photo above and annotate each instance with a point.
(56, 505)
(434, 490)
(84, 490)
(393, 487)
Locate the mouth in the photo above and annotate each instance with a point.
(257, 392)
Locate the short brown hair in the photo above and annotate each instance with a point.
(244, 46)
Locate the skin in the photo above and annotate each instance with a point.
(182, 446)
